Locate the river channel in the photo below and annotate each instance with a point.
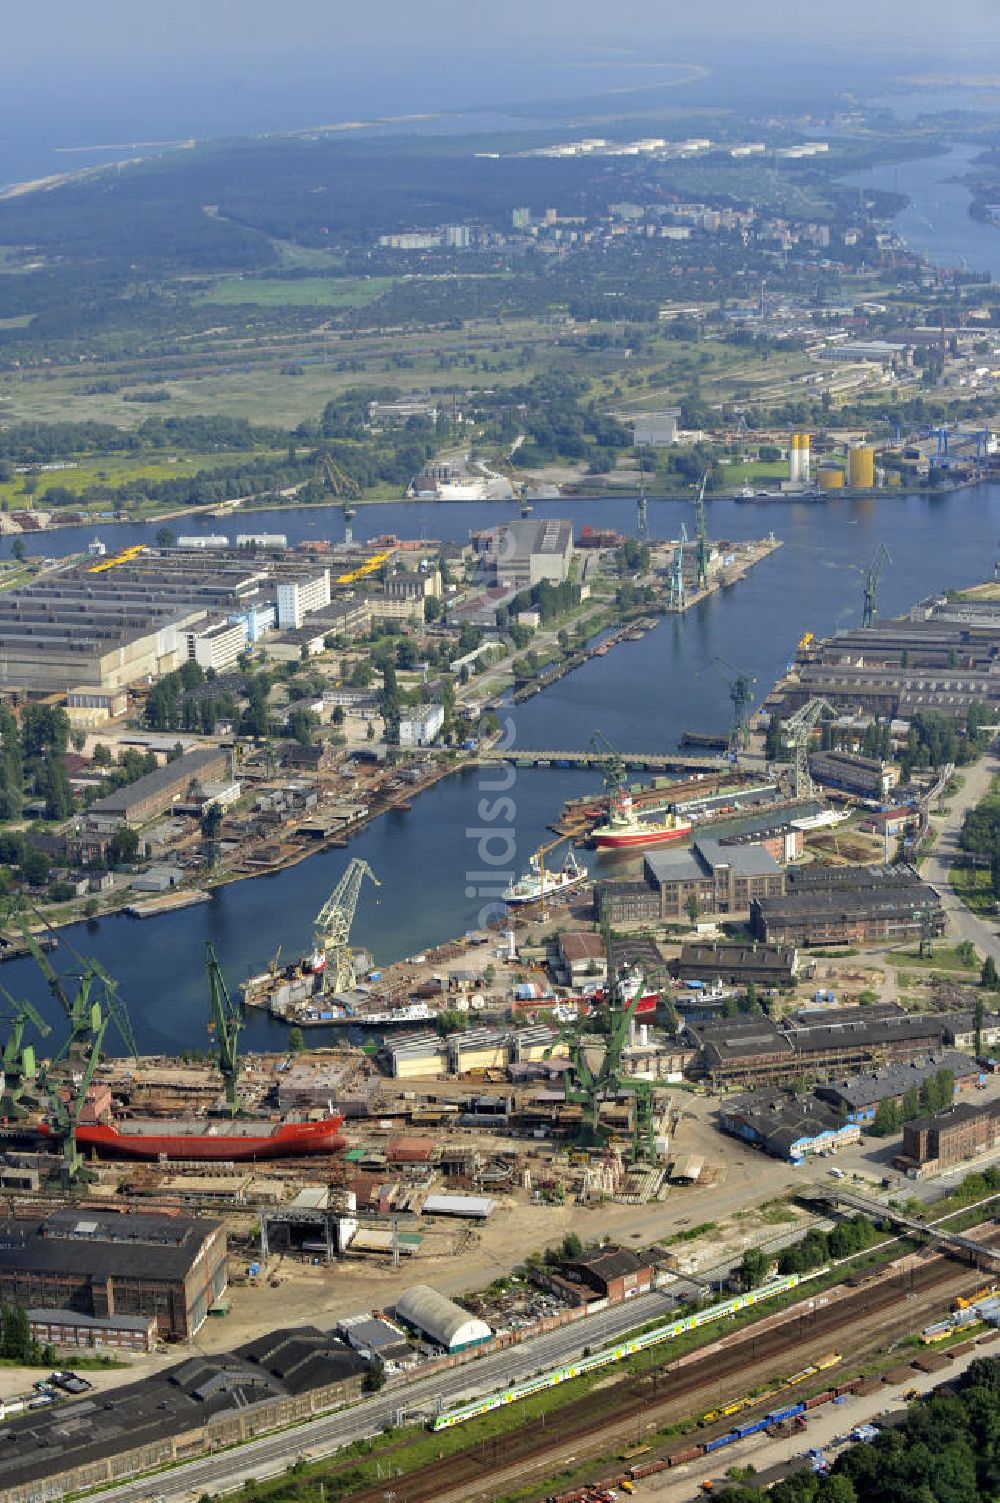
(642, 694)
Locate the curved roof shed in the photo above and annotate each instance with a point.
(441, 1319)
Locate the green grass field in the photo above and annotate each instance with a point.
(302, 292)
(110, 469)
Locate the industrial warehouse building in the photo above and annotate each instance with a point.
(106, 1265)
(425, 1310)
(848, 905)
(759, 1051)
(865, 776)
(713, 877)
(787, 1126)
(858, 1098)
(144, 613)
(944, 1139)
(522, 554)
(738, 964)
(158, 791)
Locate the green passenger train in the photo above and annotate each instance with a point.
(613, 1354)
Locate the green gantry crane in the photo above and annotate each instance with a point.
(84, 1010)
(610, 761)
(226, 1022)
(20, 1067)
(741, 686)
(591, 1087)
(66, 1113)
(873, 574)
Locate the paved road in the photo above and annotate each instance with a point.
(936, 867)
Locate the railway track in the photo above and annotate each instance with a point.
(615, 1413)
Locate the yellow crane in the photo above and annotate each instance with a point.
(124, 557)
(540, 855)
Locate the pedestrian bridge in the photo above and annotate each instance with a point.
(966, 1247)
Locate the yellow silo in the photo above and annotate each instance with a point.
(830, 477)
(861, 467)
(794, 457)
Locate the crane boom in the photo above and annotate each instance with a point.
(879, 559)
(676, 598)
(798, 730)
(334, 920)
(343, 486)
(227, 1020)
(702, 577)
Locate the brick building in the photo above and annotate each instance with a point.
(848, 905)
(107, 1264)
(718, 878)
(614, 1273)
(158, 791)
(947, 1138)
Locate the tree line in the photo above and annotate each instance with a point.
(944, 1450)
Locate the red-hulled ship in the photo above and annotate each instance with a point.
(221, 1138)
(624, 830)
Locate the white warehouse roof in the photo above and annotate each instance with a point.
(440, 1318)
(476, 1206)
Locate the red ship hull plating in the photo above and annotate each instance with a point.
(642, 838)
(287, 1140)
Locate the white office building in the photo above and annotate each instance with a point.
(217, 645)
(421, 726)
(297, 597)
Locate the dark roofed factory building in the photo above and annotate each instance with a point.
(107, 1264)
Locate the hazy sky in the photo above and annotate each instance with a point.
(119, 29)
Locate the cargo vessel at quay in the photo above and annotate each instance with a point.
(623, 829)
(227, 1139)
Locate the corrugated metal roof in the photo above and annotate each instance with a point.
(478, 1206)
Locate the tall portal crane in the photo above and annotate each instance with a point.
(66, 1109)
(675, 599)
(879, 559)
(20, 1067)
(226, 1023)
(702, 559)
(84, 1011)
(343, 486)
(609, 760)
(518, 484)
(797, 731)
(333, 925)
(741, 686)
(590, 1088)
(642, 516)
